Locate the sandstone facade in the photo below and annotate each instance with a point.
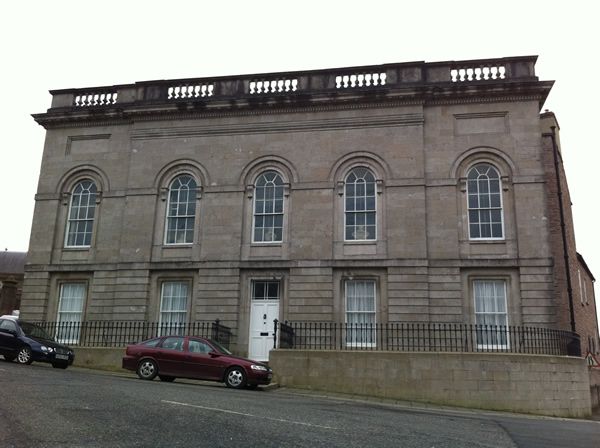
(418, 128)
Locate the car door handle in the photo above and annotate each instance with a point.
(160, 353)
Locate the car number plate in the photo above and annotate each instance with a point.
(270, 376)
(62, 357)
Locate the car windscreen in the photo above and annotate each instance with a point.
(34, 331)
(220, 348)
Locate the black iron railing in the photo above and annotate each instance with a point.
(428, 337)
(120, 334)
(286, 335)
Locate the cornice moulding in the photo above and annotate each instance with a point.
(127, 114)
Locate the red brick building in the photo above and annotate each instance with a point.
(573, 280)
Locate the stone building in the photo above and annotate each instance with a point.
(12, 274)
(411, 192)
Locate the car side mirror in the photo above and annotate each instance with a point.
(214, 354)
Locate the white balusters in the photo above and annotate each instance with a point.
(187, 91)
(482, 73)
(95, 99)
(344, 79)
(273, 86)
(360, 80)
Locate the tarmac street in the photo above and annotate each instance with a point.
(45, 407)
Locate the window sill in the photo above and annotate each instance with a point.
(488, 241)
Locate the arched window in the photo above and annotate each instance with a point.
(360, 206)
(181, 211)
(484, 202)
(81, 214)
(268, 208)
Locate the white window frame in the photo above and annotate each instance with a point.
(180, 223)
(354, 316)
(266, 295)
(268, 208)
(81, 214)
(580, 286)
(482, 203)
(70, 312)
(491, 309)
(173, 311)
(360, 209)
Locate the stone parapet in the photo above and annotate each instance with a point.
(412, 81)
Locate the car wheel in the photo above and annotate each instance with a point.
(147, 369)
(9, 358)
(235, 378)
(166, 379)
(24, 356)
(57, 365)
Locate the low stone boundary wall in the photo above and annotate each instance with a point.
(99, 358)
(537, 384)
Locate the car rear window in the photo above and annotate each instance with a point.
(8, 325)
(151, 342)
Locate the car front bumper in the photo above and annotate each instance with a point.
(41, 356)
(259, 377)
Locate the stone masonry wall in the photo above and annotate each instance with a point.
(545, 385)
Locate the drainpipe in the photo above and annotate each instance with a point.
(563, 228)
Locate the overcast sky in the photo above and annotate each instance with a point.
(58, 44)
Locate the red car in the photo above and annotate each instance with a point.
(194, 357)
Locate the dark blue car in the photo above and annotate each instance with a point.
(26, 342)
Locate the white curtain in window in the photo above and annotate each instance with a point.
(491, 310)
(70, 308)
(360, 313)
(71, 302)
(360, 302)
(173, 307)
(490, 302)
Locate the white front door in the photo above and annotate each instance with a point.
(262, 315)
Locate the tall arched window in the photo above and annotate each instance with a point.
(81, 214)
(484, 202)
(268, 208)
(181, 211)
(360, 206)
